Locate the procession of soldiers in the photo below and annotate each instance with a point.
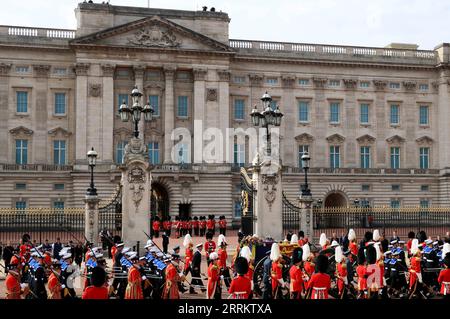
(370, 267)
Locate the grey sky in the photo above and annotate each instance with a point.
(349, 22)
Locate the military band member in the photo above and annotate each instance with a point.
(214, 289)
(189, 253)
(39, 278)
(415, 270)
(241, 287)
(134, 287)
(341, 271)
(247, 254)
(54, 281)
(14, 289)
(119, 284)
(362, 275)
(308, 264)
(320, 282)
(210, 245)
(296, 285)
(98, 288)
(278, 282)
(173, 277)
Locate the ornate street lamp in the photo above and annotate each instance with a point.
(267, 117)
(306, 192)
(92, 158)
(136, 110)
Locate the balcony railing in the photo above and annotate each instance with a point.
(341, 51)
(362, 171)
(36, 167)
(37, 32)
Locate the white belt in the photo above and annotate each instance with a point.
(446, 287)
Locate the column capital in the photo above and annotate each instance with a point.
(288, 81)
(224, 75)
(169, 72)
(139, 71)
(41, 70)
(255, 79)
(350, 83)
(200, 74)
(380, 85)
(320, 82)
(5, 68)
(81, 69)
(108, 70)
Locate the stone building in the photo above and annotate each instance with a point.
(374, 120)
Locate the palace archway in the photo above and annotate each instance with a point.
(335, 200)
(159, 205)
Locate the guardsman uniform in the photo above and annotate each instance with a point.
(247, 254)
(134, 287)
(167, 226)
(222, 225)
(277, 271)
(361, 272)
(13, 287)
(195, 226)
(210, 246)
(296, 275)
(241, 286)
(213, 290)
(210, 224)
(444, 275)
(54, 284)
(172, 276)
(341, 271)
(156, 226)
(202, 226)
(223, 256)
(98, 289)
(189, 226)
(189, 253)
(320, 282)
(415, 270)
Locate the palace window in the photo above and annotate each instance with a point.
(364, 84)
(22, 152)
(22, 69)
(182, 153)
(424, 157)
(365, 203)
(395, 157)
(122, 98)
(424, 203)
(395, 114)
(239, 155)
(273, 104)
(334, 112)
(334, 83)
(302, 150)
(303, 111)
(423, 87)
(153, 153)
(364, 113)
(424, 188)
(394, 85)
(239, 79)
(303, 82)
(59, 152)
(365, 156)
(22, 102)
(21, 186)
(395, 203)
(335, 156)
(120, 152)
(272, 81)
(423, 115)
(60, 71)
(153, 100)
(395, 188)
(239, 109)
(60, 103)
(365, 188)
(21, 204)
(58, 205)
(237, 208)
(182, 109)
(59, 187)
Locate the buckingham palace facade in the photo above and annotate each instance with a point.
(374, 120)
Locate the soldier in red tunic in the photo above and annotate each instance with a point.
(202, 226)
(195, 226)
(189, 226)
(156, 226)
(214, 289)
(172, 276)
(98, 289)
(240, 287)
(247, 254)
(308, 264)
(15, 290)
(415, 269)
(320, 282)
(341, 271)
(210, 245)
(54, 283)
(301, 238)
(177, 227)
(296, 284)
(211, 224)
(444, 275)
(278, 282)
(189, 253)
(134, 287)
(361, 272)
(223, 256)
(167, 226)
(222, 225)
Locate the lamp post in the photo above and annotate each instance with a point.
(306, 192)
(136, 110)
(267, 117)
(92, 158)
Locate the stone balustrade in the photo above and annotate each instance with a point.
(18, 31)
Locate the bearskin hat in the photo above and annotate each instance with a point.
(361, 256)
(376, 235)
(187, 240)
(306, 252)
(294, 239)
(301, 233)
(241, 265)
(195, 218)
(368, 236)
(98, 276)
(351, 235)
(297, 255)
(117, 239)
(26, 238)
(321, 263)
(209, 235)
(411, 235)
(371, 253)
(447, 260)
(338, 255)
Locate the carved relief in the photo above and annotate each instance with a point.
(136, 175)
(366, 139)
(4, 68)
(380, 85)
(21, 130)
(395, 140)
(137, 194)
(424, 140)
(136, 178)
(155, 36)
(336, 138)
(211, 95)
(270, 188)
(288, 81)
(200, 74)
(350, 83)
(169, 72)
(95, 89)
(305, 137)
(224, 75)
(81, 69)
(59, 130)
(108, 70)
(135, 149)
(255, 79)
(320, 82)
(410, 85)
(41, 70)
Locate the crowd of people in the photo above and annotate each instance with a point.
(295, 268)
(196, 226)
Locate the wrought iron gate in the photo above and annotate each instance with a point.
(291, 216)
(247, 199)
(110, 215)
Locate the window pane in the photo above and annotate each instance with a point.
(334, 157)
(303, 109)
(153, 153)
(364, 113)
(239, 154)
(423, 115)
(22, 102)
(237, 208)
(182, 110)
(395, 116)
(120, 152)
(60, 103)
(123, 98)
(154, 101)
(21, 205)
(59, 152)
(395, 157)
(302, 150)
(365, 157)
(21, 152)
(334, 112)
(239, 110)
(424, 157)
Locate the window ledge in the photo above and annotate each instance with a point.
(395, 125)
(365, 125)
(304, 123)
(424, 126)
(59, 115)
(22, 114)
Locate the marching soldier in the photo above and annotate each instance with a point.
(222, 225)
(172, 276)
(241, 287)
(415, 270)
(167, 226)
(39, 277)
(361, 272)
(223, 256)
(320, 282)
(308, 264)
(214, 289)
(372, 273)
(68, 271)
(210, 225)
(98, 288)
(210, 245)
(277, 271)
(156, 226)
(296, 275)
(134, 287)
(189, 253)
(247, 254)
(341, 271)
(54, 283)
(196, 226)
(119, 284)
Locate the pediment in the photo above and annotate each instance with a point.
(424, 140)
(336, 138)
(21, 130)
(59, 130)
(152, 33)
(304, 137)
(395, 139)
(366, 139)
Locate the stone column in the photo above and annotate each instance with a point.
(199, 109)
(288, 105)
(268, 218)
(136, 181)
(4, 112)
(91, 229)
(139, 72)
(108, 113)
(40, 115)
(306, 216)
(169, 112)
(224, 107)
(81, 70)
